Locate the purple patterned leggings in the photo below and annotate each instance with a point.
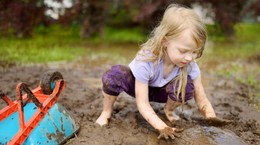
(120, 78)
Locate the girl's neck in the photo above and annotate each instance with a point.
(167, 62)
(168, 66)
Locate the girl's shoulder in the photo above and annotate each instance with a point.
(142, 68)
(145, 61)
(144, 54)
(193, 70)
(193, 64)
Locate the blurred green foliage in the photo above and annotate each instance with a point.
(120, 35)
(243, 44)
(58, 43)
(36, 50)
(47, 44)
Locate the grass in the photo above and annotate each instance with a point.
(44, 46)
(36, 50)
(244, 44)
(114, 35)
(235, 52)
(58, 44)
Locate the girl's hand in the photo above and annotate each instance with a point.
(215, 121)
(169, 132)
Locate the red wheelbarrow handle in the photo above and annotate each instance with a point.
(30, 96)
(5, 98)
(1, 94)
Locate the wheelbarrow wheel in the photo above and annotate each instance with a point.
(48, 81)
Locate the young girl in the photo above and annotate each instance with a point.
(163, 71)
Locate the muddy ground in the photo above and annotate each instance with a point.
(82, 98)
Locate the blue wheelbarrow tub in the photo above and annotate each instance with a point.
(55, 128)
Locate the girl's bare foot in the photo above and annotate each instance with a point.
(108, 103)
(103, 119)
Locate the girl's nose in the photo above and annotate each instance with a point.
(188, 57)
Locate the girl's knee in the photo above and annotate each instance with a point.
(115, 74)
(114, 79)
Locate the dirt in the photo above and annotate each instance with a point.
(82, 98)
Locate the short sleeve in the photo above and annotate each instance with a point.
(141, 70)
(193, 70)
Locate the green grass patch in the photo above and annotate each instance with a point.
(247, 32)
(38, 50)
(121, 35)
(235, 50)
(244, 44)
(58, 43)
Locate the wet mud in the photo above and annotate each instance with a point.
(83, 99)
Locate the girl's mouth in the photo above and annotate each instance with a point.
(184, 63)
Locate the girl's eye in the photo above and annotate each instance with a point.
(182, 51)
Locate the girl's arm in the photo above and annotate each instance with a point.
(202, 101)
(144, 107)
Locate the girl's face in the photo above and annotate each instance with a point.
(182, 50)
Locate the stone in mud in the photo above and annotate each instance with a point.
(203, 135)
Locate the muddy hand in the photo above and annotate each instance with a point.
(215, 121)
(169, 132)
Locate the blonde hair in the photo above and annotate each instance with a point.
(176, 19)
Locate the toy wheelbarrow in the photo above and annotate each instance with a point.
(35, 117)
